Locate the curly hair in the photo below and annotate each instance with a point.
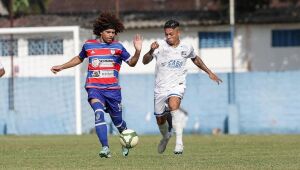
(106, 21)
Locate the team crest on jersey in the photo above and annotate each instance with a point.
(113, 52)
(95, 62)
(183, 53)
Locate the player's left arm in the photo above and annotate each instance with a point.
(199, 63)
(137, 42)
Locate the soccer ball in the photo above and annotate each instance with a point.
(129, 138)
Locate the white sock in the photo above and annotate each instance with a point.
(177, 125)
(164, 129)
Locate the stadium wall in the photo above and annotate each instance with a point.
(268, 103)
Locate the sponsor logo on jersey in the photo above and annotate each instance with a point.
(175, 64)
(95, 62)
(113, 52)
(103, 74)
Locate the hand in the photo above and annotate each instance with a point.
(137, 42)
(215, 78)
(56, 69)
(154, 46)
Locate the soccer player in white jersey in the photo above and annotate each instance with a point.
(171, 55)
(2, 71)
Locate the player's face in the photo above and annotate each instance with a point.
(172, 36)
(108, 35)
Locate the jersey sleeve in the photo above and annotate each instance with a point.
(82, 54)
(125, 56)
(191, 52)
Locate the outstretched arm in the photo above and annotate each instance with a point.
(2, 72)
(148, 56)
(137, 42)
(73, 62)
(199, 63)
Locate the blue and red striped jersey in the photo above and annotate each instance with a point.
(104, 63)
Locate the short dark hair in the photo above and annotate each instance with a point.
(171, 24)
(106, 21)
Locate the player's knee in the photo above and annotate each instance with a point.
(161, 120)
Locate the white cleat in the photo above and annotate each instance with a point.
(178, 149)
(163, 143)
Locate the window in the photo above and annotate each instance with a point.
(45, 47)
(6, 45)
(214, 39)
(286, 38)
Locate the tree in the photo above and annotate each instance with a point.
(25, 7)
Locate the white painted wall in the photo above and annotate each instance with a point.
(255, 47)
(38, 65)
(253, 51)
(219, 60)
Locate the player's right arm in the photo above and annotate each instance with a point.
(2, 72)
(149, 55)
(73, 62)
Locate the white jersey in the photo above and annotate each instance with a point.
(170, 68)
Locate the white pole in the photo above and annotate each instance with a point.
(232, 21)
(77, 84)
(233, 117)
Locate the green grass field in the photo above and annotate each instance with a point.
(201, 152)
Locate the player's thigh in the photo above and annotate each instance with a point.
(95, 95)
(160, 100)
(114, 102)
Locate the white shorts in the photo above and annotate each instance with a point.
(161, 99)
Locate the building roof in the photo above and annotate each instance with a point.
(153, 13)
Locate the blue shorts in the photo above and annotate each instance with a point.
(111, 99)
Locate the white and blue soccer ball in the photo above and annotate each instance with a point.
(129, 138)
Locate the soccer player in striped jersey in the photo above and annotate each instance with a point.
(171, 55)
(105, 56)
(2, 71)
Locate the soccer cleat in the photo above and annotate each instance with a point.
(105, 152)
(163, 143)
(178, 149)
(125, 151)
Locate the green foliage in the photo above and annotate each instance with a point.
(200, 152)
(24, 7)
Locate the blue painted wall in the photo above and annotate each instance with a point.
(268, 103)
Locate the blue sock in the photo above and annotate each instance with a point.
(100, 124)
(119, 122)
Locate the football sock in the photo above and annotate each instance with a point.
(100, 124)
(163, 128)
(169, 120)
(119, 123)
(177, 125)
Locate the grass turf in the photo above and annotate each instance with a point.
(200, 152)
